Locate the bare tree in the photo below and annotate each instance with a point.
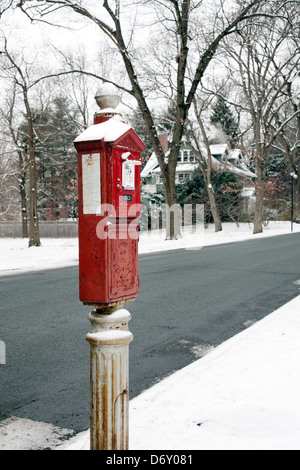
(5, 5)
(18, 72)
(288, 142)
(8, 174)
(16, 137)
(203, 158)
(181, 19)
(264, 66)
(75, 85)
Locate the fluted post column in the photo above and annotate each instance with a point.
(109, 364)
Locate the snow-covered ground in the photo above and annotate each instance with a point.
(17, 258)
(244, 394)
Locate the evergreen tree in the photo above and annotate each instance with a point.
(223, 117)
(228, 188)
(58, 157)
(55, 130)
(167, 118)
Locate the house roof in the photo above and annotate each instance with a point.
(218, 149)
(238, 170)
(234, 154)
(241, 170)
(151, 164)
(181, 168)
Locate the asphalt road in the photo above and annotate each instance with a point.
(189, 302)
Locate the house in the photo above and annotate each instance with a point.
(223, 157)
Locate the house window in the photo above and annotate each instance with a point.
(179, 157)
(185, 156)
(183, 176)
(192, 158)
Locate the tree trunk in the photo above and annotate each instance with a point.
(297, 200)
(22, 182)
(214, 210)
(173, 220)
(34, 231)
(206, 171)
(23, 208)
(260, 193)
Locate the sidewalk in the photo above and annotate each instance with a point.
(244, 395)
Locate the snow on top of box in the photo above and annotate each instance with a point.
(109, 130)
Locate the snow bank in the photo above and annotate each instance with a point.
(17, 258)
(244, 395)
(153, 241)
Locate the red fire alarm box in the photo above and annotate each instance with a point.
(109, 160)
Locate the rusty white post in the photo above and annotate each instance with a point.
(109, 395)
